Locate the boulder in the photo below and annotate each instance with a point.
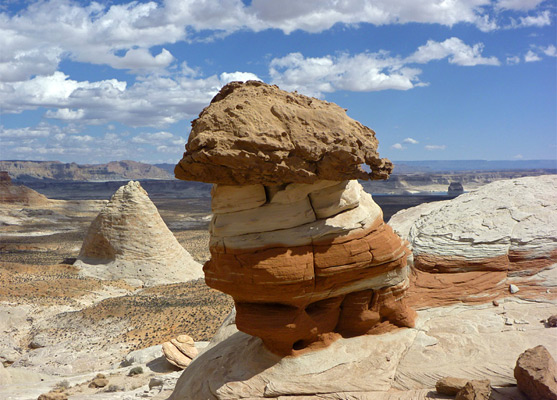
(475, 390)
(180, 351)
(450, 386)
(99, 381)
(254, 133)
(129, 240)
(536, 374)
(54, 395)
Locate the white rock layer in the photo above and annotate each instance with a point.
(518, 215)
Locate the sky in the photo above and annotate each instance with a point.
(92, 82)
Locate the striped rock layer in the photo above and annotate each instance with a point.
(307, 262)
(469, 249)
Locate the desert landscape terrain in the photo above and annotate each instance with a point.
(61, 329)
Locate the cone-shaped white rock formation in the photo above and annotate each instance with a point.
(129, 240)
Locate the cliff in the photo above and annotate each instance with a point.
(55, 170)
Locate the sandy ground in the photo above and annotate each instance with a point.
(56, 326)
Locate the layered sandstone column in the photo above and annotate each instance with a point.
(295, 240)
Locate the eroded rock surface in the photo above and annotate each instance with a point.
(503, 234)
(129, 240)
(180, 351)
(295, 240)
(311, 262)
(468, 341)
(256, 133)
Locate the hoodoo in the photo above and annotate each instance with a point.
(295, 240)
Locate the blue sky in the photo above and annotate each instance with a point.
(92, 82)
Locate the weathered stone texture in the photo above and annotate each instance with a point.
(256, 133)
(536, 374)
(299, 280)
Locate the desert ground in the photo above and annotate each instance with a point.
(60, 329)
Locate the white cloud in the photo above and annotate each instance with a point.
(523, 5)
(313, 16)
(410, 140)
(530, 56)
(365, 72)
(397, 146)
(227, 77)
(433, 147)
(455, 50)
(152, 101)
(42, 130)
(518, 157)
(38, 37)
(550, 51)
(153, 138)
(512, 60)
(140, 59)
(539, 20)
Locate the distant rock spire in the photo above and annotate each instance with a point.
(129, 240)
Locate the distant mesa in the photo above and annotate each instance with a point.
(55, 170)
(129, 240)
(18, 194)
(254, 133)
(455, 188)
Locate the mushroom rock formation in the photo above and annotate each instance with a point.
(18, 194)
(129, 240)
(295, 240)
(472, 247)
(253, 133)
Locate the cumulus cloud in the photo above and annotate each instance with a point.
(410, 140)
(38, 37)
(227, 77)
(42, 130)
(152, 101)
(550, 51)
(455, 50)
(161, 138)
(312, 16)
(530, 56)
(365, 72)
(45, 141)
(368, 72)
(397, 146)
(433, 147)
(539, 20)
